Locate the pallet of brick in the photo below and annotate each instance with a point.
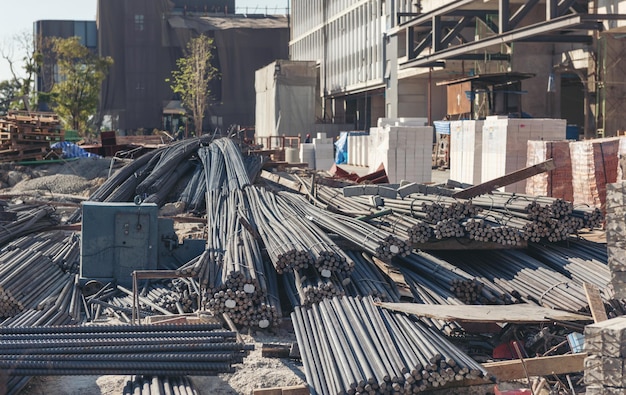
(505, 145)
(555, 183)
(404, 152)
(594, 165)
(466, 151)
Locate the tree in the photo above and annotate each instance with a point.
(80, 74)
(20, 87)
(191, 80)
(9, 92)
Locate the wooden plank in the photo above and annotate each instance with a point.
(540, 366)
(505, 180)
(515, 313)
(395, 275)
(598, 312)
(460, 244)
(292, 390)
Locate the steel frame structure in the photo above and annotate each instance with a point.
(431, 36)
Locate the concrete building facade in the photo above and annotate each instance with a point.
(386, 58)
(146, 37)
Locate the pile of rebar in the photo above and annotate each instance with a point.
(151, 385)
(367, 280)
(168, 350)
(27, 278)
(291, 241)
(522, 277)
(30, 219)
(375, 241)
(351, 346)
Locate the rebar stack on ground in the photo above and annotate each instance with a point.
(168, 350)
(292, 242)
(194, 193)
(522, 277)
(351, 346)
(30, 219)
(151, 385)
(487, 228)
(375, 241)
(407, 228)
(62, 247)
(580, 260)
(336, 201)
(27, 278)
(455, 281)
(303, 288)
(368, 280)
(165, 169)
(538, 218)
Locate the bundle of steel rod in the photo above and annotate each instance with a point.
(336, 201)
(368, 280)
(150, 385)
(30, 219)
(233, 276)
(62, 247)
(224, 166)
(521, 276)
(306, 287)
(292, 242)
(432, 208)
(461, 284)
(194, 193)
(581, 260)
(487, 229)
(351, 346)
(163, 188)
(405, 227)
(58, 308)
(540, 217)
(46, 314)
(198, 349)
(27, 278)
(371, 239)
(172, 156)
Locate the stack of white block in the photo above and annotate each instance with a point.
(605, 344)
(307, 154)
(505, 144)
(358, 146)
(324, 152)
(466, 145)
(405, 152)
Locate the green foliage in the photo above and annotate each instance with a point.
(192, 78)
(9, 91)
(81, 72)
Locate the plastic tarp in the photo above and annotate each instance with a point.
(71, 150)
(341, 146)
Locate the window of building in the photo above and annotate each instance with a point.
(139, 19)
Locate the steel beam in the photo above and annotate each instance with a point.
(563, 23)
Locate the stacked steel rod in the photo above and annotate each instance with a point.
(292, 242)
(371, 239)
(522, 277)
(30, 219)
(200, 349)
(351, 346)
(27, 278)
(151, 385)
(367, 280)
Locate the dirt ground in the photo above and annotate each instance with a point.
(79, 179)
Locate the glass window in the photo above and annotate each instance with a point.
(139, 23)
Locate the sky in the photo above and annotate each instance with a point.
(19, 16)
